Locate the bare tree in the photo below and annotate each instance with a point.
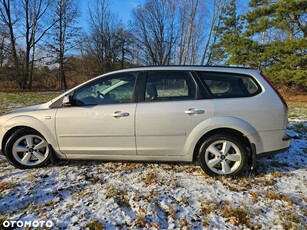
(190, 17)
(9, 21)
(100, 42)
(64, 34)
(28, 20)
(35, 28)
(124, 40)
(107, 46)
(155, 31)
(217, 9)
(3, 45)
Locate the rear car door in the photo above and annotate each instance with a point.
(171, 106)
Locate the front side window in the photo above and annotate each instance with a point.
(169, 86)
(228, 85)
(113, 89)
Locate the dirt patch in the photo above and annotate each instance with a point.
(293, 94)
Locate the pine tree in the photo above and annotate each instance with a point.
(279, 31)
(233, 46)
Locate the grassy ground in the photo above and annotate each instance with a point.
(9, 101)
(297, 110)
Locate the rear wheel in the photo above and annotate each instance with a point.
(27, 148)
(222, 154)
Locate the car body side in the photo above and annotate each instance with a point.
(246, 116)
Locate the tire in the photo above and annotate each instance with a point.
(222, 154)
(26, 149)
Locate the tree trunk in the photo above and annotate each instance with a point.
(9, 23)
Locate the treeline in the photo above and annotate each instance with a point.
(42, 44)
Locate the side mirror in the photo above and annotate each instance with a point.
(66, 101)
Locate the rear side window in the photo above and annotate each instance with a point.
(228, 85)
(169, 86)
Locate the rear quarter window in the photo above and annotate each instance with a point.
(229, 85)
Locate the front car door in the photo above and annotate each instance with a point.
(171, 107)
(100, 120)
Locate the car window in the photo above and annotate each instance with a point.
(168, 86)
(251, 86)
(228, 85)
(113, 89)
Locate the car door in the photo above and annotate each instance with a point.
(100, 120)
(172, 106)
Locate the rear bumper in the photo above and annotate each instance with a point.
(286, 143)
(271, 153)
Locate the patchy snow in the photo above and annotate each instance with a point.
(93, 194)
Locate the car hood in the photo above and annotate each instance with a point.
(26, 109)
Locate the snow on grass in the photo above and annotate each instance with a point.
(91, 194)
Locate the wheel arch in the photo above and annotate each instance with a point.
(9, 133)
(229, 131)
(32, 123)
(224, 124)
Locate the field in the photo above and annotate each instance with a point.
(114, 195)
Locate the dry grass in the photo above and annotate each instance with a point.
(207, 207)
(49, 204)
(131, 166)
(150, 178)
(119, 196)
(147, 198)
(2, 219)
(290, 220)
(236, 216)
(278, 196)
(6, 186)
(184, 224)
(224, 181)
(265, 180)
(171, 213)
(112, 192)
(140, 220)
(95, 225)
(254, 196)
(277, 174)
(195, 169)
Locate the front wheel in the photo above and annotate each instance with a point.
(222, 154)
(26, 149)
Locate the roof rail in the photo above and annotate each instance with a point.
(232, 66)
(218, 66)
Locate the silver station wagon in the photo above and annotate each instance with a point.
(224, 118)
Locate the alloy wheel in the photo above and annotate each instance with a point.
(223, 157)
(30, 150)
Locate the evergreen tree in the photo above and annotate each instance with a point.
(272, 37)
(279, 31)
(233, 46)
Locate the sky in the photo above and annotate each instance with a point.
(122, 8)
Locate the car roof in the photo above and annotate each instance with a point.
(231, 69)
(225, 69)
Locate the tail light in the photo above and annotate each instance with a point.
(274, 88)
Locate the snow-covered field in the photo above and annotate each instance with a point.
(114, 195)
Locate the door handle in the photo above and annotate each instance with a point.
(120, 114)
(194, 111)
